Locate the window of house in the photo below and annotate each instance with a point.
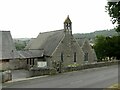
(27, 61)
(74, 56)
(86, 57)
(6, 60)
(30, 61)
(33, 61)
(62, 57)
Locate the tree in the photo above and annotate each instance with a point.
(99, 47)
(113, 9)
(107, 47)
(19, 46)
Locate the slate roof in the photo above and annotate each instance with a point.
(80, 41)
(31, 53)
(7, 48)
(48, 41)
(29, 43)
(83, 42)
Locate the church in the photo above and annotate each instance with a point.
(55, 49)
(59, 49)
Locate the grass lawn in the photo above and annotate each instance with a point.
(114, 87)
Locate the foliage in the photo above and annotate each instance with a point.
(99, 47)
(113, 44)
(113, 9)
(20, 43)
(73, 65)
(20, 46)
(114, 87)
(107, 47)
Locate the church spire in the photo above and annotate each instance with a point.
(68, 25)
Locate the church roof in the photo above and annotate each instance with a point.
(67, 20)
(31, 53)
(48, 41)
(80, 41)
(7, 48)
(83, 42)
(29, 43)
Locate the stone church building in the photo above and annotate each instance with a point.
(55, 49)
(60, 49)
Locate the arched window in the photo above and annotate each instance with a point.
(86, 57)
(62, 57)
(74, 56)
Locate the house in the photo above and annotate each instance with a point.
(9, 58)
(61, 49)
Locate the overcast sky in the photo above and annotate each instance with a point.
(27, 18)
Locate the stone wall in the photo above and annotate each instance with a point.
(47, 71)
(91, 53)
(41, 71)
(68, 46)
(5, 76)
(13, 64)
(94, 65)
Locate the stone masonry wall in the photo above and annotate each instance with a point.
(88, 49)
(13, 64)
(68, 47)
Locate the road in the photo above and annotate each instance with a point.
(90, 78)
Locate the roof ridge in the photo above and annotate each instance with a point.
(50, 31)
(4, 31)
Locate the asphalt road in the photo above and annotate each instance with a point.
(90, 78)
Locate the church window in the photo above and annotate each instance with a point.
(62, 57)
(86, 57)
(74, 56)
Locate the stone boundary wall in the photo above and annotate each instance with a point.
(44, 71)
(41, 71)
(13, 65)
(94, 65)
(5, 76)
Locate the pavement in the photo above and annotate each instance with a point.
(19, 74)
(90, 78)
(22, 75)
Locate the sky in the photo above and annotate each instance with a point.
(28, 18)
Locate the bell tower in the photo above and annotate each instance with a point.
(68, 25)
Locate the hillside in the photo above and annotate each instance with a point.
(92, 35)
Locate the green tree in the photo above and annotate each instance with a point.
(99, 47)
(113, 9)
(20, 46)
(107, 47)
